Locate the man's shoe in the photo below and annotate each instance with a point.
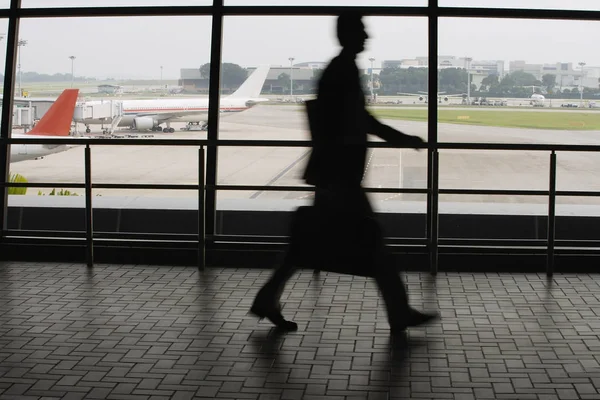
(413, 318)
(272, 311)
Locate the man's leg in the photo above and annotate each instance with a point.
(393, 290)
(387, 277)
(266, 304)
(400, 314)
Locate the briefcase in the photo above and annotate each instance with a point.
(339, 242)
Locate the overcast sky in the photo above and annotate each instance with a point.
(138, 47)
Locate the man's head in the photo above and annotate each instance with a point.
(351, 31)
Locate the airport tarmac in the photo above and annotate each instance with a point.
(393, 168)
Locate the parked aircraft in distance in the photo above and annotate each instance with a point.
(150, 114)
(537, 100)
(56, 122)
(441, 96)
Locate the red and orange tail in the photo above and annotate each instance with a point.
(58, 118)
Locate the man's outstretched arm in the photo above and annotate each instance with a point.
(390, 134)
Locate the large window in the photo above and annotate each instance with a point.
(129, 85)
(501, 82)
(293, 78)
(529, 80)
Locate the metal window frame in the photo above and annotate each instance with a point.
(207, 185)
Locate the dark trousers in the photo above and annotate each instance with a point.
(351, 203)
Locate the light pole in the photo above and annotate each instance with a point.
(468, 63)
(291, 77)
(72, 76)
(372, 93)
(161, 69)
(20, 43)
(581, 64)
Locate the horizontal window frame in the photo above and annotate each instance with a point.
(299, 10)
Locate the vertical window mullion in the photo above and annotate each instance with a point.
(7, 107)
(216, 48)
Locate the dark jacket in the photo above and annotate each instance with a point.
(339, 124)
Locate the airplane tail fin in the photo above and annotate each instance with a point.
(253, 84)
(57, 120)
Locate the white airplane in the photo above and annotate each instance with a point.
(56, 122)
(150, 114)
(536, 99)
(441, 96)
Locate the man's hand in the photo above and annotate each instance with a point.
(416, 142)
(392, 135)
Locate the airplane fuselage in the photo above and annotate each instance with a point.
(537, 100)
(23, 152)
(171, 110)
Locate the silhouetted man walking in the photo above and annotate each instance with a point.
(341, 227)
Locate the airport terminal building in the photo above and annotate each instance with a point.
(129, 263)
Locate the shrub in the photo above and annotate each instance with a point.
(17, 178)
(61, 192)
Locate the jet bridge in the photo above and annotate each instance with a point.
(108, 113)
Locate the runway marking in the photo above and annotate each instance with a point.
(282, 173)
(368, 164)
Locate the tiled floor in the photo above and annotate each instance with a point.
(140, 332)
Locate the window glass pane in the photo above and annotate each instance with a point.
(293, 76)
(109, 78)
(402, 215)
(526, 80)
(578, 171)
(269, 110)
(490, 170)
(399, 169)
(493, 169)
(111, 3)
(492, 217)
(591, 5)
(577, 215)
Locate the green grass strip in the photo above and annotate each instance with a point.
(556, 120)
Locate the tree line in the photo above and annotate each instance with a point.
(391, 81)
(36, 77)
